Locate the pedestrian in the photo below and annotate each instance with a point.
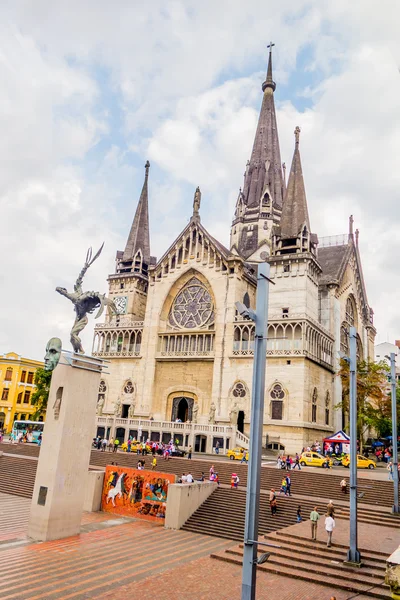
(202, 478)
(343, 486)
(390, 469)
(244, 455)
(189, 478)
(211, 471)
(288, 465)
(330, 509)
(217, 448)
(299, 514)
(314, 518)
(279, 462)
(329, 526)
(283, 487)
(129, 444)
(216, 478)
(272, 501)
(104, 444)
(190, 453)
(153, 463)
(234, 481)
(288, 485)
(297, 462)
(116, 444)
(111, 445)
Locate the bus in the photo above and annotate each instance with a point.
(29, 429)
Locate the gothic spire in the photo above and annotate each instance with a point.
(264, 176)
(139, 235)
(294, 210)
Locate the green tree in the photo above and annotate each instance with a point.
(373, 401)
(41, 394)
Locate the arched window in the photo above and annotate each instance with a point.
(350, 311)
(360, 351)
(327, 408)
(314, 406)
(8, 375)
(277, 396)
(128, 388)
(246, 300)
(193, 307)
(239, 390)
(344, 338)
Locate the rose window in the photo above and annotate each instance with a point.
(128, 389)
(193, 307)
(239, 391)
(277, 392)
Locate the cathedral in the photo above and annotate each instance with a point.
(180, 353)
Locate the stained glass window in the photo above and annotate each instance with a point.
(277, 395)
(128, 389)
(192, 308)
(314, 406)
(239, 391)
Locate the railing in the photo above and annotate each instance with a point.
(122, 321)
(333, 240)
(188, 345)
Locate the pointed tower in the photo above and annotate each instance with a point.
(128, 286)
(293, 234)
(293, 261)
(259, 204)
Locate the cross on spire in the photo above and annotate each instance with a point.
(270, 46)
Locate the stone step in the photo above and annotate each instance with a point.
(293, 569)
(301, 540)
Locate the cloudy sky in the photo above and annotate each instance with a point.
(90, 90)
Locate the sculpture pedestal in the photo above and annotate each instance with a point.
(59, 491)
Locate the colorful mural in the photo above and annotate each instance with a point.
(135, 493)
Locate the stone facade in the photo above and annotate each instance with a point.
(178, 348)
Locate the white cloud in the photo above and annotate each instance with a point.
(181, 80)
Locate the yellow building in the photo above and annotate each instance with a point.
(17, 376)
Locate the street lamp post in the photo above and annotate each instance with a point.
(394, 434)
(260, 316)
(353, 554)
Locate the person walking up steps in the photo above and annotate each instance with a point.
(297, 462)
(272, 501)
(314, 518)
(190, 453)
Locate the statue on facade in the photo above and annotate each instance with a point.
(233, 415)
(100, 405)
(53, 353)
(131, 410)
(118, 407)
(85, 302)
(195, 411)
(196, 202)
(211, 414)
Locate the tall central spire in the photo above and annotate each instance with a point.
(139, 235)
(264, 171)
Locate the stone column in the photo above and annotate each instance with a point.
(62, 472)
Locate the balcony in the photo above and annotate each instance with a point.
(186, 346)
(111, 341)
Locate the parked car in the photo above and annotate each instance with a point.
(314, 459)
(362, 462)
(237, 454)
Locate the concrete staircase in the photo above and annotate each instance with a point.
(17, 476)
(302, 559)
(223, 514)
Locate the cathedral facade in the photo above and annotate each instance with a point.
(179, 350)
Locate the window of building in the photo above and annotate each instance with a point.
(344, 339)
(193, 307)
(277, 396)
(314, 406)
(121, 286)
(23, 376)
(246, 300)
(22, 417)
(30, 377)
(8, 375)
(285, 313)
(4, 395)
(239, 390)
(27, 396)
(19, 398)
(129, 389)
(350, 310)
(286, 268)
(327, 408)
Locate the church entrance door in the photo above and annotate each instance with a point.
(125, 411)
(182, 409)
(240, 421)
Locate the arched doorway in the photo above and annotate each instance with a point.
(240, 421)
(182, 409)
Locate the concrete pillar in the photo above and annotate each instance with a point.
(58, 496)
